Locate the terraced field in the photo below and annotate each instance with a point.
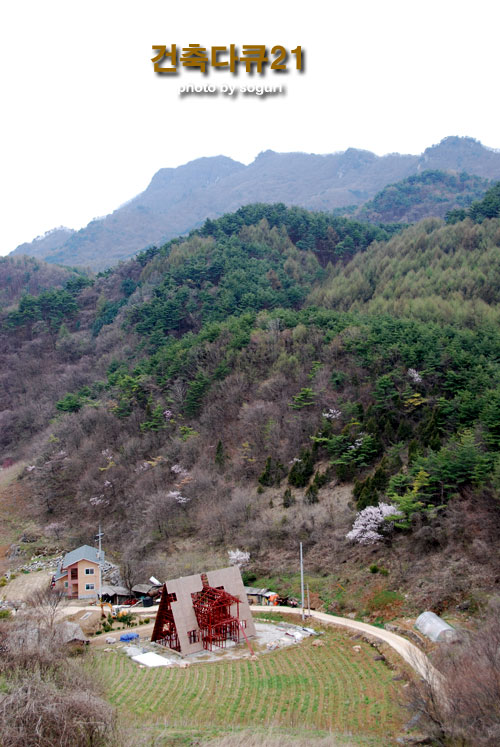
(332, 688)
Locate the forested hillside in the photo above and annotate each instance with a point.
(25, 276)
(431, 193)
(260, 381)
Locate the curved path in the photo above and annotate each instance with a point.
(408, 651)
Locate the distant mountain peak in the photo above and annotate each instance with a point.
(180, 199)
(206, 166)
(51, 231)
(464, 143)
(266, 154)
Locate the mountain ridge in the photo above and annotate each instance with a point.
(180, 199)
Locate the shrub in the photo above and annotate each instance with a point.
(248, 577)
(69, 403)
(305, 398)
(127, 619)
(43, 711)
(302, 469)
(311, 495)
(337, 379)
(273, 473)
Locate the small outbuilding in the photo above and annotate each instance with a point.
(435, 628)
(72, 634)
(261, 596)
(114, 594)
(256, 596)
(141, 590)
(150, 594)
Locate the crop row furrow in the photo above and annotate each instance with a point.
(333, 687)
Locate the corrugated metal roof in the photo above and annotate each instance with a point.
(256, 592)
(141, 588)
(85, 552)
(111, 590)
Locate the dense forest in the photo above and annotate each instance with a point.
(428, 193)
(266, 379)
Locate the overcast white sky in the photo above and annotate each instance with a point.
(86, 123)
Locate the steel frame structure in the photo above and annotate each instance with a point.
(165, 631)
(212, 607)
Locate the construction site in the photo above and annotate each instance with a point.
(203, 611)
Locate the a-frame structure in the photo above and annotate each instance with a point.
(200, 612)
(165, 631)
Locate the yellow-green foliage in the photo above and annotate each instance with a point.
(431, 271)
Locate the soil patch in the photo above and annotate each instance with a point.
(22, 588)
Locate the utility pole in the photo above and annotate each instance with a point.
(302, 582)
(98, 537)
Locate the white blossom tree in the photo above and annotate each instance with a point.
(415, 376)
(371, 524)
(238, 557)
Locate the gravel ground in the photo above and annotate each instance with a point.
(269, 637)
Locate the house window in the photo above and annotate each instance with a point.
(89, 587)
(89, 571)
(65, 584)
(193, 636)
(74, 573)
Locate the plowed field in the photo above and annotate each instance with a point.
(331, 688)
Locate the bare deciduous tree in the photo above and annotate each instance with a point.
(48, 603)
(48, 698)
(42, 712)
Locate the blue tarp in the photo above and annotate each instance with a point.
(129, 636)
